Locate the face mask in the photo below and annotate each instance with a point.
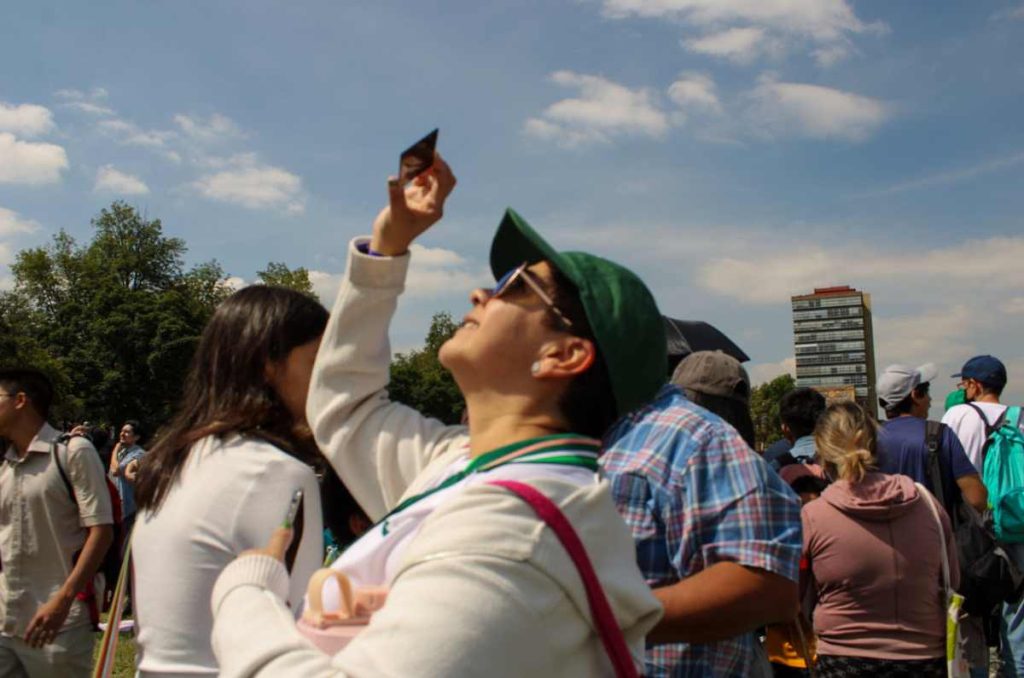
(957, 397)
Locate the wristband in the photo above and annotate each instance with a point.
(364, 248)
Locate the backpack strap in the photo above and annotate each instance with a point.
(604, 619)
(989, 428)
(88, 594)
(63, 473)
(933, 439)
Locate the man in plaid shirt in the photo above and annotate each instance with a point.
(717, 535)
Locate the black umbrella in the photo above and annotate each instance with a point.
(687, 336)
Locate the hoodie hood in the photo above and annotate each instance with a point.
(878, 497)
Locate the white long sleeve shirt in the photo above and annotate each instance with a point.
(230, 497)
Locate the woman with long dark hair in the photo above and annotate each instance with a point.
(220, 476)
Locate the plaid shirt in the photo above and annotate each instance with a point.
(694, 494)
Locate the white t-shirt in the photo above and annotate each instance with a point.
(230, 497)
(970, 429)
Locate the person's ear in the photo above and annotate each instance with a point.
(564, 358)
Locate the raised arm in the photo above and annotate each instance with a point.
(376, 446)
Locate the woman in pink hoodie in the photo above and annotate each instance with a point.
(875, 556)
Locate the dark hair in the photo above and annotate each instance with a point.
(989, 389)
(136, 428)
(226, 389)
(36, 386)
(339, 506)
(799, 410)
(809, 484)
(904, 406)
(734, 412)
(588, 404)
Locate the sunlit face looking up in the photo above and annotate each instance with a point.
(505, 331)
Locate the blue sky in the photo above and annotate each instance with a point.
(733, 152)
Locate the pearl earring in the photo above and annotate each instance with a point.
(535, 368)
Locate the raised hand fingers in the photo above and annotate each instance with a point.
(445, 178)
(280, 540)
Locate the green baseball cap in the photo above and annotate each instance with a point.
(620, 309)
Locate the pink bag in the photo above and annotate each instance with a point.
(332, 631)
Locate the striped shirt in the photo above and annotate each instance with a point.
(694, 494)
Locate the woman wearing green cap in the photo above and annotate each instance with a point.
(562, 346)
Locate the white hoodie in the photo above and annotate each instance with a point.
(484, 588)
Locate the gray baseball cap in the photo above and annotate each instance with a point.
(897, 381)
(713, 373)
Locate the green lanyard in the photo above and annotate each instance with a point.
(560, 449)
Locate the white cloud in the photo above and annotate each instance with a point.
(789, 109)
(945, 336)
(325, 285)
(1011, 13)
(87, 102)
(27, 120)
(761, 373)
(437, 271)
(254, 185)
(70, 94)
(825, 27)
(110, 180)
(130, 134)
(24, 162)
(602, 111)
(11, 224)
(769, 277)
(91, 108)
(215, 128)
(434, 272)
(951, 177)
(234, 282)
(695, 91)
(739, 45)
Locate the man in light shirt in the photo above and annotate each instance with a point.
(982, 379)
(52, 540)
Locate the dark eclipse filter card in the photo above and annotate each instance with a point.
(417, 159)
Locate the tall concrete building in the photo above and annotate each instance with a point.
(834, 344)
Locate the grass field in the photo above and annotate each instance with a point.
(124, 659)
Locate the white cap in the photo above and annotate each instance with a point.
(898, 381)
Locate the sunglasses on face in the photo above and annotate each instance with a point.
(514, 280)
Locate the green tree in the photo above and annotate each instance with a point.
(279, 274)
(764, 408)
(114, 322)
(419, 380)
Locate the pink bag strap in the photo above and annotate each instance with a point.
(607, 626)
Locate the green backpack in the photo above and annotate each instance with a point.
(1003, 475)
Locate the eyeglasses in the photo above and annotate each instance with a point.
(508, 282)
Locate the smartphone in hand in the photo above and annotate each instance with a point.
(293, 510)
(417, 159)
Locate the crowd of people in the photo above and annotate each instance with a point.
(602, 511)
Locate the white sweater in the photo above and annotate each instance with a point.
(484, 587)
(230, 497)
